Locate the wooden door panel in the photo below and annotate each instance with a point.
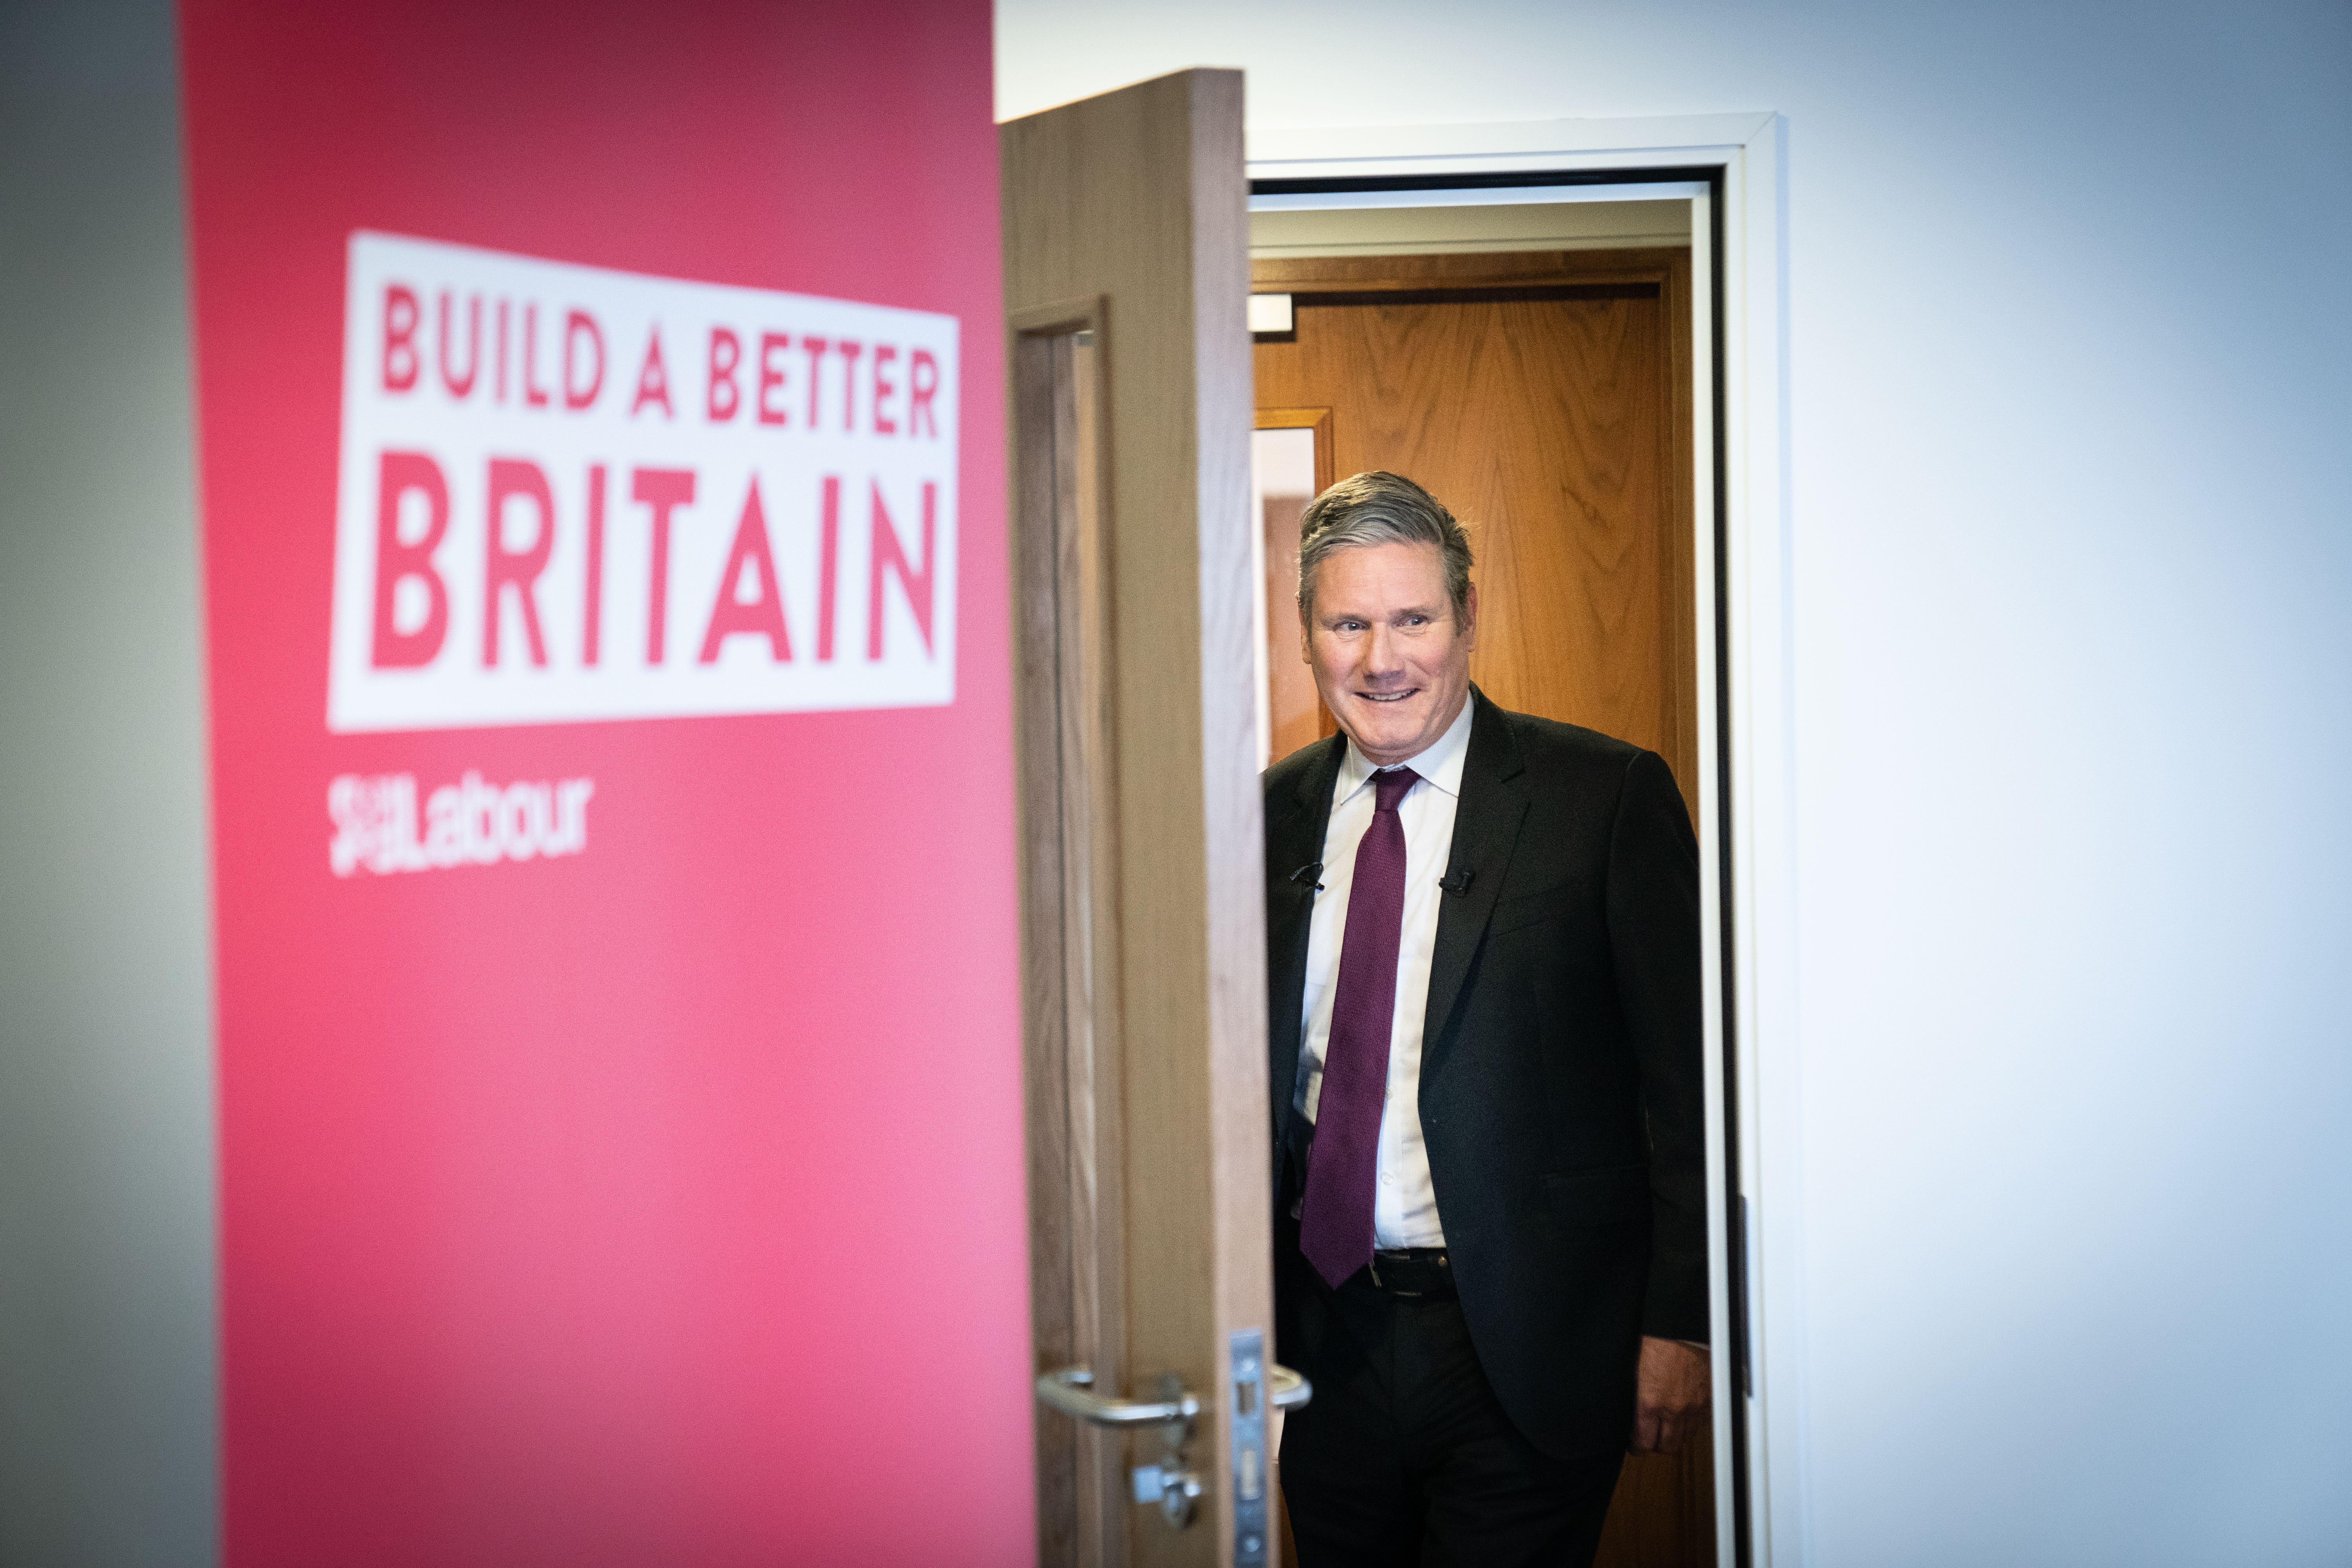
(1663, 1514)
(1545, 400)
(1143, 914)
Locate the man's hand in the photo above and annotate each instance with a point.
(1672, 1389)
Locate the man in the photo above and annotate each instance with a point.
(1483, 954)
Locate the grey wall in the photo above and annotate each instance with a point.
(2071, 345)
(107, 1445)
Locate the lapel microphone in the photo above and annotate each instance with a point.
(1459, 883)
(1308, 874)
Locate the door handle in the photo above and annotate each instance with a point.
(1286, 1390)
(1071, 1391)
(1173, 1483)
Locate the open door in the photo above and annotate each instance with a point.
(1143, 924)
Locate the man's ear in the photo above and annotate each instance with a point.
(1470, 617)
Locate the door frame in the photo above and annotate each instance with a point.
(1734, 169)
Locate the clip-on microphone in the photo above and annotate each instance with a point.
(1458, 883)
(1310, 874)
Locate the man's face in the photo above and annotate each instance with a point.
(1392, 662)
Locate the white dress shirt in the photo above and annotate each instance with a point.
(1404, 1204)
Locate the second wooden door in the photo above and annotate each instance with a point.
(1545, 398)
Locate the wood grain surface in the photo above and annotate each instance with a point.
(1125, 216)
(1544, 397)
(1663, 1514)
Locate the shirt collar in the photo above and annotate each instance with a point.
(1440, 764)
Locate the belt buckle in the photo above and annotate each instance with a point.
(1374, 1265)
(1418, 1270)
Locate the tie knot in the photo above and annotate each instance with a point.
(1391, 784)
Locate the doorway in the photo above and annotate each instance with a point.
(1533, 364)
(1128, 234)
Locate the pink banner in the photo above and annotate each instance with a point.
(601, 432)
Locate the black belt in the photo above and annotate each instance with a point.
(1413, 1271)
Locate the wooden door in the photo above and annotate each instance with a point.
(1143, 921)
(1545, 397)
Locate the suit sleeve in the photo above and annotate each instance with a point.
(1653, 936)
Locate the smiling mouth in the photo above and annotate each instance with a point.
(1389, 696)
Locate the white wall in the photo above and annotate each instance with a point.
(2072, 418)
(106, 1401)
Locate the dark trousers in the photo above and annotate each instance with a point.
(1404, 1457)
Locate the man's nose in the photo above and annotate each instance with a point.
(1383, 651)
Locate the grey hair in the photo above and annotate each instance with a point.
(1381, 509)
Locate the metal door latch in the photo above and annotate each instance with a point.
(1171, 1482)
(1176, 1491)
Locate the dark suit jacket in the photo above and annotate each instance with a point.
(1560, 1096)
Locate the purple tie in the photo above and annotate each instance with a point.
(1335, 1218)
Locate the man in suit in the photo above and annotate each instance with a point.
(1483, 954)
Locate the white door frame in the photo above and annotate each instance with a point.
(1746, 838)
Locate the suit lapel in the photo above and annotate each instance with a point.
(1487, 821)
(1294, 838)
